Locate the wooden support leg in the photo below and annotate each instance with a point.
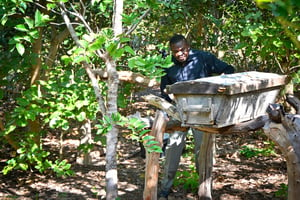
(287, 138)
(205, 161)
(152, 159)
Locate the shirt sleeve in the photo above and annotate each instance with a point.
(217, 66)
(163, 84)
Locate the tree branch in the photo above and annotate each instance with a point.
(87, 66)
(130, 77)
(162, 104)
(133, 27)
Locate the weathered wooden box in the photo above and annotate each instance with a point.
(225, 100)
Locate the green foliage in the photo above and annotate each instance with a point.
(136, 127)
(189, 179)
(66, 98)
(150, 65)
(258, 37)
(250, 152)
(139, 133)
(287, 14)
(282, 192)
(27, 30)
(30, 156)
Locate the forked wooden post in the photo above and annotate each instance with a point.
(152, 159)
(287, 136)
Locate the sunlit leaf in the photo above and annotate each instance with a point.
(20, 48)
(129, 50)
(38, 18)
(29, 22)
(21, 27)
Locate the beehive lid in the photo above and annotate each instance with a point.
(228, 83)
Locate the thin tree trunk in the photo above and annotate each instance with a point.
(112, 135)
(84, 157)
(56, 40)
(34, 126)
(36, 66)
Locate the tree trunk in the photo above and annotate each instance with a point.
(112, 135)
(205, 161)
(84, 157)
(152, 159)
(36, 65)
(34, 126)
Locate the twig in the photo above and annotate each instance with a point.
(133, 27)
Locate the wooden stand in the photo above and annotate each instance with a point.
(152, 159)
(205, 161)
(282, 128)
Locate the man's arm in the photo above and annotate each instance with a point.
(163, 84)
(218, 66)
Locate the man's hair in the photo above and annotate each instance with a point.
(177, 38)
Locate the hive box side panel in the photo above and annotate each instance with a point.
(198, 109)
(244, 107)
(224, 110)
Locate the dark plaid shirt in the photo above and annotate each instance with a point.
(199, 64)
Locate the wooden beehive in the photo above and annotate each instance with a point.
(225, 100)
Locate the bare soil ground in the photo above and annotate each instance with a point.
(234, 176)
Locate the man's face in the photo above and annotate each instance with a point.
(180, 51)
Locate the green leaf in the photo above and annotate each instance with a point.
(22, 101)
(151, 142)
(148, 137)
(118, 53)
(20, 48)
(38, 18)
(34, 34)
(4, 20)
(123, 39)
(30, 115)
(21, 27)
(50, 6)
(240, 45)
(81, 103)
(66, 59)
(23, 166)
(21, 122)
(111, 48)
(81, 116)
(10, 129)
(129, 50)
(79, 59)
(143, 132)
(29, 22)
(97, 44)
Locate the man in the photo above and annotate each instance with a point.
(188, 65)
